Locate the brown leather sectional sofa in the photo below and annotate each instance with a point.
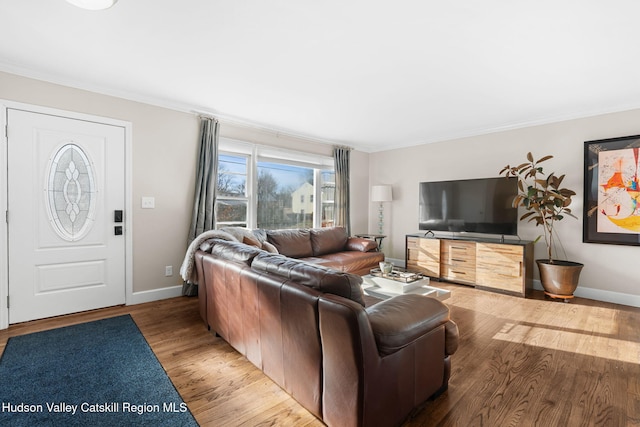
(306, 327)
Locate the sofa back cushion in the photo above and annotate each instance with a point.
(328, 240)
(234, 251)
(295, 243)
(323, 279)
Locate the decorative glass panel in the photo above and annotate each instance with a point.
(70, 193)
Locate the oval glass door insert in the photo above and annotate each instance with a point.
(70, 193)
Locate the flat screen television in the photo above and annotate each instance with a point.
(470, 206)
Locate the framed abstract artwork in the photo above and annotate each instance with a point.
(612, 191)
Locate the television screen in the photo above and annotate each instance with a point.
(470, 205)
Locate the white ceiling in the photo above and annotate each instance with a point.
(372, 74)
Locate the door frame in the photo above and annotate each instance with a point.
(4, 170)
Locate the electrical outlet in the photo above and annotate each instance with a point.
(168, 270)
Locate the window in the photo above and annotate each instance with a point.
(327, 197)
(232, 200)
(284, 193)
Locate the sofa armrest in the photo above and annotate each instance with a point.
(360, 244)
(451, 337)
(401, 320)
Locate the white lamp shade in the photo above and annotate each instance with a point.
(93, 4)
(381, 193)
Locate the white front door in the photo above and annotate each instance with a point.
(66, 196)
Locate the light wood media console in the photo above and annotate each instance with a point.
(491, 264)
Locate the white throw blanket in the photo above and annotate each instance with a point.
(188, 272)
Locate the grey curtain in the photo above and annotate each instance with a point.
(342, 199)
(203, 217)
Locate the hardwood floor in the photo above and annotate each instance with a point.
(521, 362)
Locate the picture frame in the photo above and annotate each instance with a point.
(611, 209)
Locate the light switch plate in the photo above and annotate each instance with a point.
(148, 202)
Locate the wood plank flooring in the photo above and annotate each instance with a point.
(521, 362)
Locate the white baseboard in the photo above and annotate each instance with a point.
(581, 291)
(135, 298)
(600, 295)
(154, 295)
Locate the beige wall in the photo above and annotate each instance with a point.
(164, 155)
(609, 271)
(165, 148)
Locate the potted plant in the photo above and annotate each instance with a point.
(546, 203)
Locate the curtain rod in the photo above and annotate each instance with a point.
(277, 133)
(202, 114)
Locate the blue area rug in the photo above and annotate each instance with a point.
(100, 373)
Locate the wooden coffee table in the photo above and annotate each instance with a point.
(383, 288)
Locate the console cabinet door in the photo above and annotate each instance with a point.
(458, 261)
(501, 267)
(423, 256)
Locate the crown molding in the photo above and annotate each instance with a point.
(278, 132)
(541, 121)
(168, 104)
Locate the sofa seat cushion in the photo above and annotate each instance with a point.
(399, 321)
(328, 240)
(320, 260)
(348, 261)
(295, 243)
(318, 277)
